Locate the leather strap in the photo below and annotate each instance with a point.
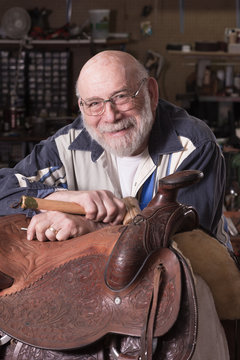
(147, 335)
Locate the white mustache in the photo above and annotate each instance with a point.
(123, 124)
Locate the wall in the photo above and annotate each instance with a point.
(203, 20)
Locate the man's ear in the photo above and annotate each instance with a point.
(153, 92)
(79, 101)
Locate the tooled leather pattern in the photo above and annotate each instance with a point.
(177, 344)
(71, 306)
(149, 231)
(176, 340)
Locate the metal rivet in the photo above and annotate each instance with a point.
(117, 300)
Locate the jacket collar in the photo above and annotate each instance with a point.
(84, 142)
(163, 137)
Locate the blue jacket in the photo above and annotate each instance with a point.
(70, 159)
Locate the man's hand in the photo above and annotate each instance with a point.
(55, 225)
(99, 205)
(101, 208)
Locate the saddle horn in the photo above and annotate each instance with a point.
(152, 229)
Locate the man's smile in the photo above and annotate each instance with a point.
(122, 126)
(117, 132)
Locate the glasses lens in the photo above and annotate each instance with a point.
(94, 108)
(121, 99)
(123, 102)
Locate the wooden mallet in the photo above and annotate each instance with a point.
(28, 202)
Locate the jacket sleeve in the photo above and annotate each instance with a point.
(37, 175)
(207, 196)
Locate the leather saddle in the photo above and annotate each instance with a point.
(122, 280)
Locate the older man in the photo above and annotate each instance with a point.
(123, 142)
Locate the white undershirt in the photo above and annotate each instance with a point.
(127, 167)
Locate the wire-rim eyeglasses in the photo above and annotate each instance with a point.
(122, 100)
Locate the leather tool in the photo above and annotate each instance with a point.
(28, 202)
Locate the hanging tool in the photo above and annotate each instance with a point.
(181, 12)
(238, 13)
(68, 11)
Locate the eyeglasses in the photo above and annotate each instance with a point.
(122, 100)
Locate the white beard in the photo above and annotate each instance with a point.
(128, 144)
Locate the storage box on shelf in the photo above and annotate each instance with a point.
(213, 87)
(43, 75)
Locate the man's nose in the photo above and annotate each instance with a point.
(110, 113)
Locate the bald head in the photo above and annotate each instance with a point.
(106, 66)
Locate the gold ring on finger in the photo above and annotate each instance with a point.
(51, 228)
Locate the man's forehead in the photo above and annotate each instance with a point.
(99, 70)
(99, 82)
(102, 89)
